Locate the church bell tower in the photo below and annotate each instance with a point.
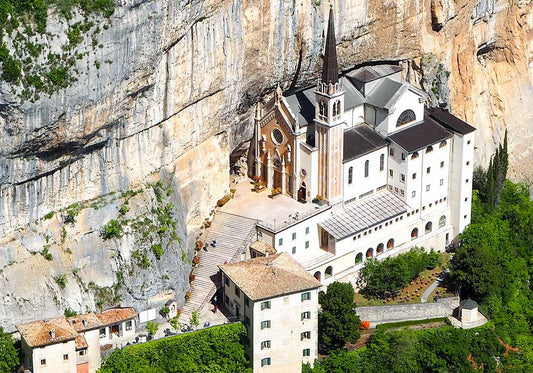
(329, 109)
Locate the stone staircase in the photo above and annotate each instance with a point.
(233, 234)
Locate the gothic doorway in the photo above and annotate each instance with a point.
(302, 193)
(276, 182)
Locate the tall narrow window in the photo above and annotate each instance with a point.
(381, 162)
(350, 175)
(367, 164)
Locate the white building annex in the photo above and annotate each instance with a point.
(388, 172)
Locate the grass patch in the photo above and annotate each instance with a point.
(403, 324)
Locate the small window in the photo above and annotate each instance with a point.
(265, 305)
(441, 182)
(468, 163)
(226, 280)
(391, 151)
(306, 315)
(402, 178)
(405, 117)
(415, 155)
(414, 176)
(428, 187)
(102, 333)
(266, 361)
(306, 230)
(306, 296)
(294, 236)
(442, 164)
(367, 166)
(403, 156)
(464, 217)
(305, 335)
(442, 144)
(82, 353)
(280, 242)
(246, 321)
(428, 170)
(226, 299)
(466, 199)
(442, 221)
(129, 325)
(246, 301)
(65, 357)
(237, 291)
(391, 173)
(414, 233)
(43, 361)
(306, 352)
(265, 324)
(350, 175)
(294, 250)
(468, 143)
(265, 344)
(429, 149)
(307, 244)
(467, 180)
(381, 162)
(396, 189)
(402, 192)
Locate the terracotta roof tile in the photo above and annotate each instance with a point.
(116, 315)
(267, 277)
(81, 343)
(263, 247)
(45, 332)
(84, 322)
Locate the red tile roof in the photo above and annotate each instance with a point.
(116, 315)
(46, 332)
(267, 277)
(81, 343)
(84, 322)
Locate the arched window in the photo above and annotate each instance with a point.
(317, 275)
(442, 221)
(336, 108)
(429, 149)
(442, 144)
(406, 117)
(369, 253)
(379, 249)
(350, 175)
(358, 258)
(323, 108)
(414, 233)
(382, 162)
(390, 244)
(415, 155)
(429, 227)
(367, 165)
(329, 272)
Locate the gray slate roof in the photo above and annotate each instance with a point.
(361, 140)
(367, 74)
(363, 214)
(450, 121)
(420, 135)
(468, 304)
(386, 93)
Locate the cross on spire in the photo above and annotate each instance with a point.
(330, 72)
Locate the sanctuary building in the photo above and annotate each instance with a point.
(383, 171)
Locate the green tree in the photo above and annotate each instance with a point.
(194, 320)
(337, 321)
(8, 354)
(152, 327)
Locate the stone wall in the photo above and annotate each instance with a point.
(404, 312)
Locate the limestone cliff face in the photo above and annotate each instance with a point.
(176, 99)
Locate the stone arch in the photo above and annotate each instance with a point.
(370, 253)
(429, 227)
(328, 272)
(442, 221)
(318, 275)
(379, 248)
(390, 244)
(414, 233)
(359, 258)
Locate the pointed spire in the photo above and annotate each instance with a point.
(330, 73)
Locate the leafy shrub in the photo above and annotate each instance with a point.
(45, 253)
(157, 249)
(69, 312)
(113, 229)
(164, 311)
(152, 327)
(216, 349)
(71, 214)
(50, 215)
(61, 280)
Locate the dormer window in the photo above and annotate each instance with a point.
(415, 155)
(406, 117)
(429, 149)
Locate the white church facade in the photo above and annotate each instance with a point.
(384, 172)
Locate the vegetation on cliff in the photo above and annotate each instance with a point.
(216, 349)
(8, 354)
